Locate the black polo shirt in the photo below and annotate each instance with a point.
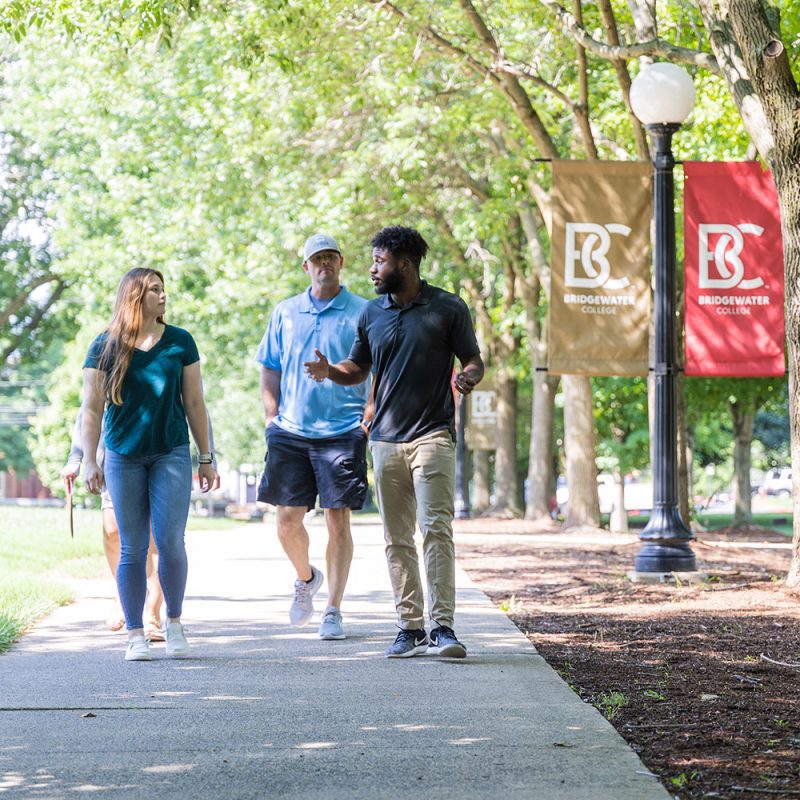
(411, 350)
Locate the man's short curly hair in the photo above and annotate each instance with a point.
(401, 242)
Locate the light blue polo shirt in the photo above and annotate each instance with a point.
(296, 328)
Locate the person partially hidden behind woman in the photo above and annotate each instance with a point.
(147, 373)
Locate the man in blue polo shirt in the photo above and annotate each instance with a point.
(409, 337)
(316, 445)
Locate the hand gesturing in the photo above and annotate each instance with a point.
(319, 369)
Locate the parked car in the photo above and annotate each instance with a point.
(778, 482)
(638, 495)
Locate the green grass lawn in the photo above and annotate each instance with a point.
(781, 522)
(777, 521)
(38, 559)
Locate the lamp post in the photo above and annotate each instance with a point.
(662, 96)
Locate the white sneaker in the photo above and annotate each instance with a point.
(138, 650)
(303, 604)
(177, 646)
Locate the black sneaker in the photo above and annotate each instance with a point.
(444, 643)
(407, 644)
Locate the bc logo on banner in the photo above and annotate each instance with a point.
(725, 256)
(592, 255)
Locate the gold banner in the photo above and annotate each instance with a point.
(600, 288)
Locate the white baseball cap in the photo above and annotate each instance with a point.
(318, 242)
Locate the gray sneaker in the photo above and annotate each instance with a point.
(408, 644)
(303, 604)
(330, 626)
(444, 643)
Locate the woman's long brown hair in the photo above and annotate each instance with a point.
(123, 330)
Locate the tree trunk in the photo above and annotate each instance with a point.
(541, 472)
(618, 520)
(788, 183)
(480, 481)
(541, 467)
(743, 419)
(506, 480)
(583, 506)
(757, 69)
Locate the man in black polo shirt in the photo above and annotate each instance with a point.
(409, 337)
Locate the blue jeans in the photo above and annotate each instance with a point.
(150, 490)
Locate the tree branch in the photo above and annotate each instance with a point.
(510, 87)
(624, 79)
(525, 71)
(480, 188)
(17, 303)
(436, 38)
(582, 108)
(655, 48)
(32, 323)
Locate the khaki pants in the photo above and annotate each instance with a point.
(415, 483)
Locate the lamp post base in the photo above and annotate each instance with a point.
(663, 558)
(665, 544)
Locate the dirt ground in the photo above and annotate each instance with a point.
(702, 680)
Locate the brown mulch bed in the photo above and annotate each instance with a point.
(702, 680)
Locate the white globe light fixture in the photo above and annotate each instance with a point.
(662, 93)
(662, 96)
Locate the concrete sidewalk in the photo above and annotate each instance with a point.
(263, 710)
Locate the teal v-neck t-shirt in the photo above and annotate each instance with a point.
(151, 419)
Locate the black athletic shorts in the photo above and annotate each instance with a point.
(297, 469)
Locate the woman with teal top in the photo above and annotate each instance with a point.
(146, 374)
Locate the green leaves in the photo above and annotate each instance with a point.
(208, 140)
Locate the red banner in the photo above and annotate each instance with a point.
(733, 260)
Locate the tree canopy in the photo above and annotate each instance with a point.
(208, 139)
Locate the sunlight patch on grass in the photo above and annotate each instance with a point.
(25, 600)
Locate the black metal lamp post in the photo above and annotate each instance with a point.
(662, 96)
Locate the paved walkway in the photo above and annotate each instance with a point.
(262, 710)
